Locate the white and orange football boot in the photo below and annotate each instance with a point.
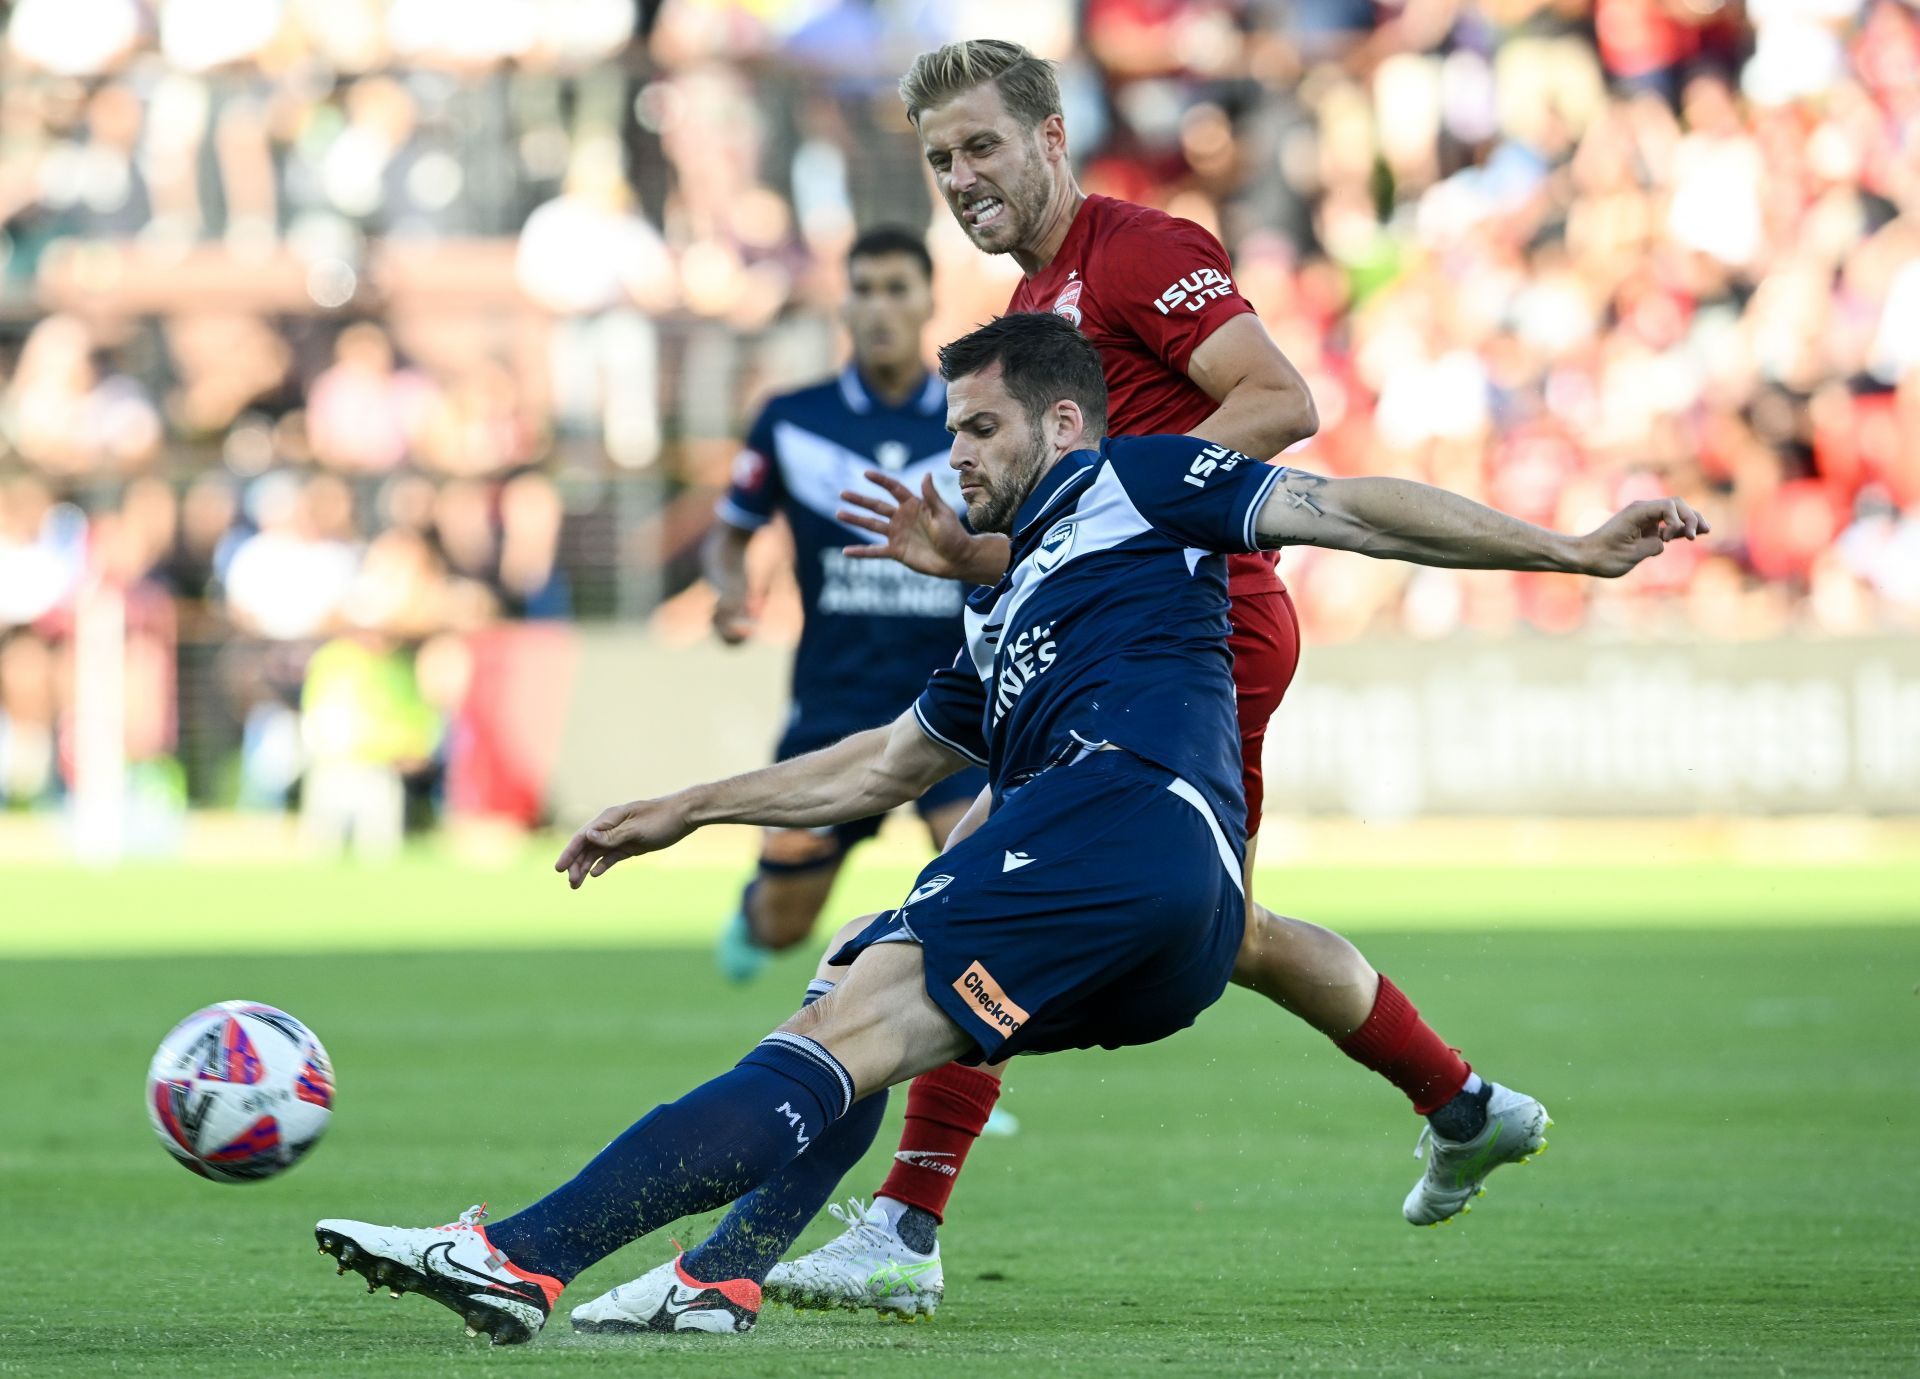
(455, 1265)
(668, 1298)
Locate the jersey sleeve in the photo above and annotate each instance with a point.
(1201, 495)
(1181, 289)
(952, 709)
(753, 493)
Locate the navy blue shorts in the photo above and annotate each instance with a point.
(959, 788)
(1099, 905)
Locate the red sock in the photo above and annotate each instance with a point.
(1396, 1043)
(946, 1110)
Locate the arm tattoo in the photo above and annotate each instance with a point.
(1298, 485)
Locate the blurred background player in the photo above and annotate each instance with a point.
(873, 630)
(1183, 352)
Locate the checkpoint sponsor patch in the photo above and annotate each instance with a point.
(985, 998)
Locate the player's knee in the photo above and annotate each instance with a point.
(806, 1020)
(1263, 947)
(879, 1021)
(797, 851)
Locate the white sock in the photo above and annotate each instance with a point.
(1473, 1084)
(893, 1209)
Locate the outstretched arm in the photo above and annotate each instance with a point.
(1397, 519)
(866, 774)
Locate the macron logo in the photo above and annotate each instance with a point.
(1016, 860)
(928, 1159)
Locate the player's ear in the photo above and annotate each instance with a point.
(1053, 136)
(1067, 424)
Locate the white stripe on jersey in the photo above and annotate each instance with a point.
(1250, 532)
(734, 515)
(816, 468)
(1103, 517)
(942, 738)
(1199, 802)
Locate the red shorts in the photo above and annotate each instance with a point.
(1265, 641)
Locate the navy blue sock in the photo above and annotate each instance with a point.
(763, 1225)
(696, 1154)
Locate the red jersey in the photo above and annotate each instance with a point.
(1146, 288)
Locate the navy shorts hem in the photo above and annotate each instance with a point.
(1095, 907)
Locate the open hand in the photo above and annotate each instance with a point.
(626, 830)
(920, 530)
(1636, 532)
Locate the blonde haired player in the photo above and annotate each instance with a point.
(1183, 351)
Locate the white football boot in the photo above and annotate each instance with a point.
(455, 1265)
(866, 1265)
(1515, 1131)
(668, 1298)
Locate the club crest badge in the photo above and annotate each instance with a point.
(1067, 304)
(1055, 545)
(933, 885)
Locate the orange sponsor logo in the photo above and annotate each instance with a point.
(989, 1002)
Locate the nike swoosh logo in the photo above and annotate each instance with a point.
(1016, 860)
(914, 1156)
(519, 1289)
(685, 1301)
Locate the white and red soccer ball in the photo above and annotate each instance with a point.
(239, 1091)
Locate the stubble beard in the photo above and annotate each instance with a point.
(1025, 201)
(993, 512)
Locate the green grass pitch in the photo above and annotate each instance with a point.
(1732, 1060)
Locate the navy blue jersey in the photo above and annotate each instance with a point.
(874, 629)
(1110, 625)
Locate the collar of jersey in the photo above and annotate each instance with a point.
(1033, 509)
(928, 395)
(1039, 503)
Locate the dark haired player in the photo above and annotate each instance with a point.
(1183, 352)
(1096, 687)
(873, 629)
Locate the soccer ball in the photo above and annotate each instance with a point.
(239, 1092)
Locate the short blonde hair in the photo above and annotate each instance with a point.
(1026, 83)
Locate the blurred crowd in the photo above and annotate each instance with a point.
(371, 323)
